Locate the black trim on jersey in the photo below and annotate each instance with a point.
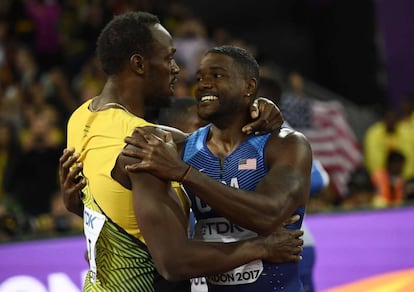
(122, 230)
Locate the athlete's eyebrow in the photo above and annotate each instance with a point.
(214, 67)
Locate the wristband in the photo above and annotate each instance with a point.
(186, 174)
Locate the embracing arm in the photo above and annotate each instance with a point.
(284, 188)
(266, 117)
(164, 227)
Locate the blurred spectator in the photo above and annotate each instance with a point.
(45, 15)
(58, 93)
(407, 109)
(9, 151)
(191, 41)
(295, 104)
(389, 181)
(25, 67)
(81, 24)
(29, 202)
(385, 135)
(34, 178)
(12, 220)
(21, 25)
(11, 105)
(361, 190)
(42, 130)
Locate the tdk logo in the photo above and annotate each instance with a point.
(89, 218)
(222, 227)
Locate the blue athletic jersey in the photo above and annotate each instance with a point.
(242, 169)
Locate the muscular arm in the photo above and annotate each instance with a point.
(284, 188)
(164, 227)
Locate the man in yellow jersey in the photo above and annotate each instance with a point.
(135, 224)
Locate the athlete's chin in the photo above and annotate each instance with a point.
(204, 115)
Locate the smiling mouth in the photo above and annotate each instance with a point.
(208, 98)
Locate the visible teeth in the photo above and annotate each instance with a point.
(209, 98)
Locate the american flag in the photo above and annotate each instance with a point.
(332, 140)
(247, 164)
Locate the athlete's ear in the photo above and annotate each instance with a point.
(251, 87)
(137, 63)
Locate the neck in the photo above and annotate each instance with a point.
(223, 140)
(231, 122)
(118, 92)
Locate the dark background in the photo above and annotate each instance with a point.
(354, 47)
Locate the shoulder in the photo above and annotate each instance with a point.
(288, 136)
(118, 172)
(288, 145)
(198, 135)
(82, 110)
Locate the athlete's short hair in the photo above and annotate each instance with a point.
(123, 36)
(245, 60)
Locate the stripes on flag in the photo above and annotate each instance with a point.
(247, 164)
(333, 143)
(332, 139)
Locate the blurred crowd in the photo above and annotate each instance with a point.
(48, 68)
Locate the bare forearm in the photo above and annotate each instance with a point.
(164, 227)
(194, 259)
(255, 211)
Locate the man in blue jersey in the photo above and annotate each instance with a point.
(182, 114)
(240, 185)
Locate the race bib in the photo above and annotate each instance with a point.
(245, 274)
(219, 229)
(92, 226)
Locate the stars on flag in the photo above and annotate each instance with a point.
(247, 164)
